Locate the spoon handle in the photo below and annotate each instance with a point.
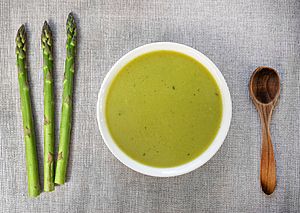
(267, 163)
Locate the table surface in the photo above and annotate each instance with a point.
(237, 35)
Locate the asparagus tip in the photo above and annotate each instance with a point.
(45, 26)
(46, 31)
(70, 16)
(22, 28)
(21, 32)
(46, 38)
(71, 24)
(21, 42)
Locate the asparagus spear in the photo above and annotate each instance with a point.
(49, 123)
(29, 134)
(66, 113)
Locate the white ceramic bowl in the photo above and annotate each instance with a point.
(204, 157)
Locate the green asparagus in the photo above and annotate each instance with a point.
(66, 113)
(29, 134)
(47, 44)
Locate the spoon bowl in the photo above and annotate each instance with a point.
(265, 85)
(264, 90)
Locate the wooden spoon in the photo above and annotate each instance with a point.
(264, 90)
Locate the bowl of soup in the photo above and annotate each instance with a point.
(164, 109)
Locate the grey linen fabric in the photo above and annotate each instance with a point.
(237, 35)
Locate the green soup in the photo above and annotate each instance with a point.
(163, 109)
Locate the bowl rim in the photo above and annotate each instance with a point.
(208, 153)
